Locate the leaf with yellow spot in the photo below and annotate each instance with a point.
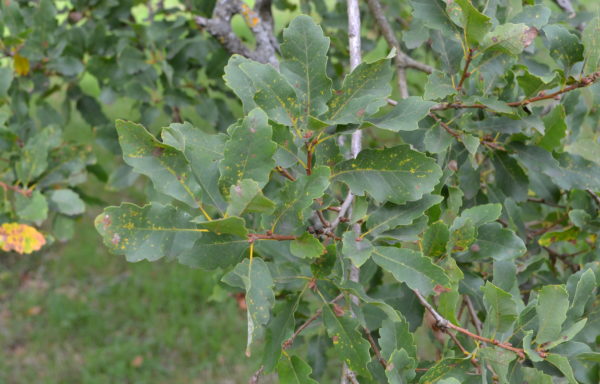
(254, 276)
(20, 238)
(396, 174)
(351, 347)
(363, 92)
(249, 152)
(164, 164)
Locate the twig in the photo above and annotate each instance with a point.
(476, 322)
(465, 72)
(375, 348)
(582, 83)
(543, 201)
(443, 323)
(261, 25)
(14, 188)
(322, 219)
(288, 343)
(252, 237)
(565, 258)
(403, 60)
(256, 375)
(284, 172)
(451, 131)
(594, 196)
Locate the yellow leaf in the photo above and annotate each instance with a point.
(21, 65)
(20, 238)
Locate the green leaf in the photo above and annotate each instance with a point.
(435, 239)
(446, 367)
(591, 43)
(396, 174)
(363, 92)
(257, 280)
(499, 360)
(32, 208)
(478, 215)
(390, 216)
(509, 38)
(203, 152)
(6, 78)
(567, 335)
(66, 202)
(347, 341)
(510, 177)
(212, 251)
(433, 15)
(304, 50)
(294, 199)
(306, 247)
(274, 94)
(403, 370)
(556, 128)
(294, 370)
(501, 310)
(498, 243)
(166, 166)
(438, 86)
(475, 23)
(147, 233)
(563, 45)
(533, 15)
(405, 116)
(34, 156)
(241, 84)
(584, 291)
(396, 335)
(226, 226)
(357, 251)
(248, 153)
(279, 329)
(410, 267)
(246, 196)
(562, 363)
(552, 306)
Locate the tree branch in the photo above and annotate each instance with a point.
(288, 343)
(465, 72)
(285, 173)
(252, 237)
(256, 376)
(443, 323)
(259, 21)
(14, 188)
(402, 60)
(582, 83)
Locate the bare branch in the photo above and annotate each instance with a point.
(402, 59)
(219, 25)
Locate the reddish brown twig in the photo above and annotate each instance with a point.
(288, 343)
(444, 323)
(583, 82)
(375, 348)
(465, 72)
(451, 131)
(594, 196)
(14, 188)
(252, 237)
(322, 218)
(284, 172)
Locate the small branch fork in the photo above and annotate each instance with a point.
(402, 60)
(259, 20)
(445, 324)
(14, 188)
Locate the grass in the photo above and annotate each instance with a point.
(79, 315)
